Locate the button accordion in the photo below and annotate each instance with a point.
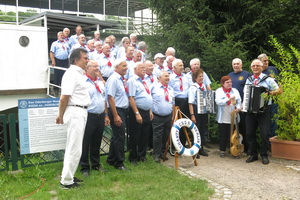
(254, 102)
(206, 102)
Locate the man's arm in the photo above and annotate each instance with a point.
(63, 103)
(139, 118)
(52, 58)
(113, 109)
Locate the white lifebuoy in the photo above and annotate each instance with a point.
(176, 140)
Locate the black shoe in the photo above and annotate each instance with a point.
(162, 157)
(251, 159)
(100, 169)
(134, 162)
(85, 174)
(66, 187)
(265, 160)
(77, 180)
(202, 153)
(121, 168)
(197, 156)
(156, 159)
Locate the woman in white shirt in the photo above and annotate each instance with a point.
(228, 99)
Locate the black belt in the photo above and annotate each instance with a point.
(84, 107)
(95, 114)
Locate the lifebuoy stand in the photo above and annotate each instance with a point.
(178, 115)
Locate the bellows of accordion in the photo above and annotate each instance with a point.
(254, 102)
(206, 102)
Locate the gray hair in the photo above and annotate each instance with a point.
(257, 60)
(137, 64)
(261, 56)
(169, 57)
(137, 52)
(195, 60)
(118, 62)
(133, 35)
(171, 50)
(162, 72)
(98, 42)
(175, 62)
(237, 60)
(91, 63)
(142, 45)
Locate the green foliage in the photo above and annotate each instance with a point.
(217, 31)
(289, 101)
(11, 16)
(148, 180)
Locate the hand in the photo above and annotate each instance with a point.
(118, 121)
(193, 118)
(232, 100)
(139, 119)
(59, 120)
(53, 64)
(151, 116)
(106, 121)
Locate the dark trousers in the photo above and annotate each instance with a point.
(92, 141)
(261, 120)
(183, 105)
(58, 74)
(116, 155)
(224, 136)
(161, 130)
(138, 135)
(242, 129)
(201, 123)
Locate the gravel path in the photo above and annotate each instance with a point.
(235, 179)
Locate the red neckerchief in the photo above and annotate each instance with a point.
(128, 58)
(161, 67)
(99, 51)
(63, 42)
(96, 39)
(170, 68)
(108, 63)
(95, 82)
(151, 77)
(145, 85)
(181, 84)
(256, 79)
(124, 83)
(166, 92)
(227, 94)
(90, 49)
(201, 86)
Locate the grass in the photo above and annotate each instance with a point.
(148, 180)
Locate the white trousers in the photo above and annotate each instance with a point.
(75, 118)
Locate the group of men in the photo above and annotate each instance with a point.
(104, 52)
(133, 95)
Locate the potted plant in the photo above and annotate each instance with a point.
(287, 142)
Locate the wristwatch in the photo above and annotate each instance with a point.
(137, 113)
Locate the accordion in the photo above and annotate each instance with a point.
(254, 102)
(206, 102)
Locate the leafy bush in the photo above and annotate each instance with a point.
(289, 101)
